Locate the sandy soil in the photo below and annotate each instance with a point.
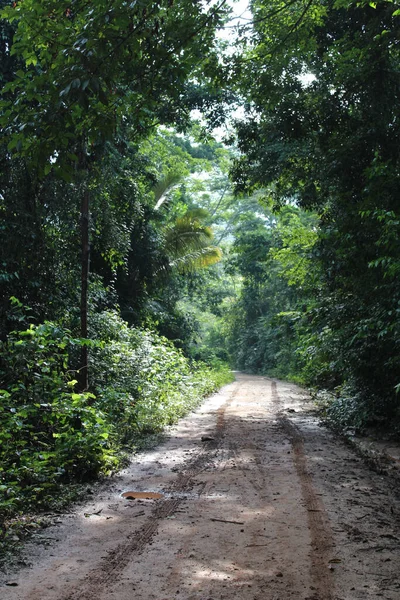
(259, 502)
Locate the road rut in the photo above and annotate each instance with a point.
(259, 502)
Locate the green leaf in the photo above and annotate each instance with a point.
(66, 90)
(32, 60)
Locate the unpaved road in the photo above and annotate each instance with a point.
(268, 506)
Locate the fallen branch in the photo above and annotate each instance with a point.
(225, 521)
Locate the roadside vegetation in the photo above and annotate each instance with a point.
(320, 261)
(52, 435)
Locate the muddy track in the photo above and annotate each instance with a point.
(115, 562)
(322, 542)
(259, 502)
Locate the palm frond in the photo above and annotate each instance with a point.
(164, 185)
(187, 235)
(199, 259)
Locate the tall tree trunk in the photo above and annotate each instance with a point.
(85, 260)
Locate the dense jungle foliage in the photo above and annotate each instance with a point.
(140, 256)
(101, 235)
(321, 300)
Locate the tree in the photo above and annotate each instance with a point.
(90, 67)
(321, 131)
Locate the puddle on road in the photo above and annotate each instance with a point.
(179, 495)
(142, 495)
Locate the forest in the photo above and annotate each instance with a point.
(183, 192)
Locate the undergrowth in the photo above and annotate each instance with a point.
(51, 436)
(348, 409)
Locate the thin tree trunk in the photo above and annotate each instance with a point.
(85, 260)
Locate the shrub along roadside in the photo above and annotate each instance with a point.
(51, 436)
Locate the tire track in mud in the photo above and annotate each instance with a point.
(217, 445)
(255, 505)
(322, 542)
(116, 561)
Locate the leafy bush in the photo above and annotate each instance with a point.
(143, 382)
(50, 435)
(352, 408)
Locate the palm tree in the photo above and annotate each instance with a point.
(187, 241)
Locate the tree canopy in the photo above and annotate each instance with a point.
(321, 133)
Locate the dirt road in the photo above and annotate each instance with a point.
(259, 502)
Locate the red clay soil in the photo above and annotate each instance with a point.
(259, 502)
